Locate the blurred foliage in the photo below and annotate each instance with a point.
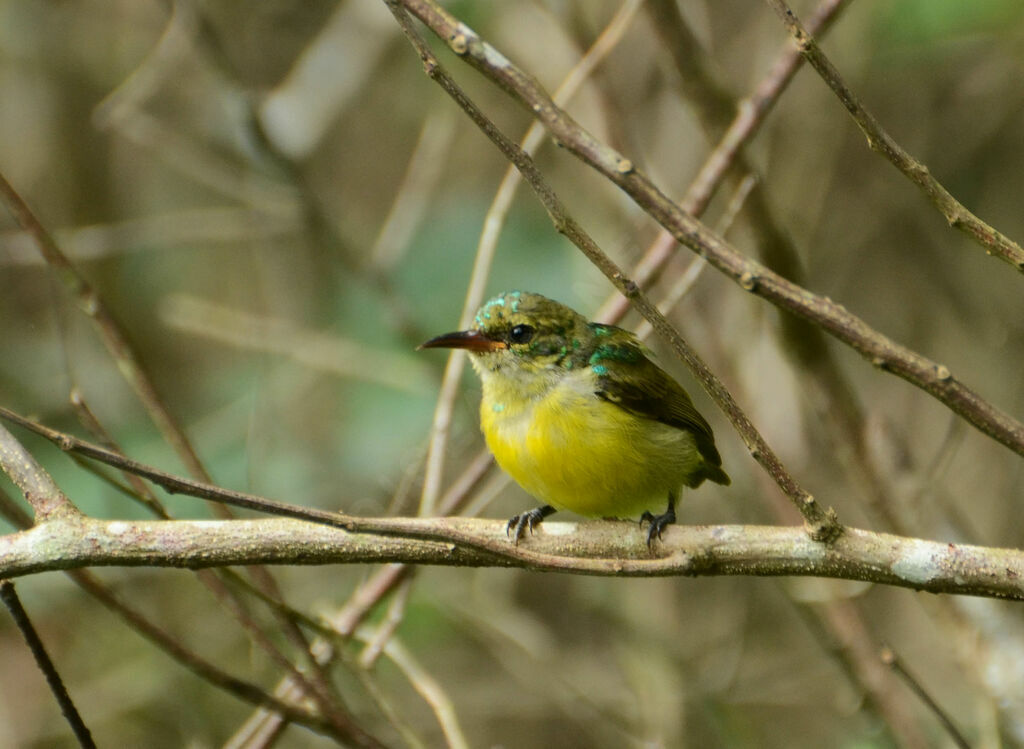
(131, 133)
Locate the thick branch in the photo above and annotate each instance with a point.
(604, 548)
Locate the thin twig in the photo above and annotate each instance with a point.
(318, 684)
(117, 343)
(263, 726)
(386, 629)
(498, 627)
(205, 670)
(397, 716)
(844, 632)
(109, 328)
(35, 644)
(239, 688)
(137, 489)
(315, 686)
(890, 659)
(427, 686)
(686, 280)
(254, 737)
(994, 242)
(170, 482)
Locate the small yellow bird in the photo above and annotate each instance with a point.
(579, 416)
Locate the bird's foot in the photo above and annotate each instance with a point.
(658, 523)
(518, 524)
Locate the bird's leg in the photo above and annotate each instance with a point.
(519, 523)
(658, 522)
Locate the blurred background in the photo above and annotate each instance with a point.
(278, 206)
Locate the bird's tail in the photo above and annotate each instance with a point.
(716, 474)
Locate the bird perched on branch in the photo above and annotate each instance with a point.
(579, 416)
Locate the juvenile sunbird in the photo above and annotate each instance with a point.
(579, 416)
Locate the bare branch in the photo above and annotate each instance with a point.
(204, 669)
(884, 353)
(994, 242)
(40, 491)
(890, 659)
(601, 548)
(428, 687)
(110, 329)
(67, 707)
(170, 482)
(239, 688)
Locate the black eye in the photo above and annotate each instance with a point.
(520, 334)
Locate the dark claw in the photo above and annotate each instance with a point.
(518, 524)
(658, 522)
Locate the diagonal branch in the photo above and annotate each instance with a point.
(38, 488)
(110, 330)
(994, 242)
(716, 112)
(9, 596)
(884, 353)
(170, 482)
(204, 669)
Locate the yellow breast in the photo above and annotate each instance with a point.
(571, 449)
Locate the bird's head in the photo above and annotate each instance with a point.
(518, 333)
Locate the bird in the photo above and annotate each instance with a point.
(577, 413)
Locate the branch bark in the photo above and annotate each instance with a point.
(603, 548)
(39, 490)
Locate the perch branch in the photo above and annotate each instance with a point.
(601, 548)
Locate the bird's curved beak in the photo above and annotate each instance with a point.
(471, 340)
